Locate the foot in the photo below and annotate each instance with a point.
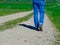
(36, 29)
(40, 28)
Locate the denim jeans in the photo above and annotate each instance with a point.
(39, 7)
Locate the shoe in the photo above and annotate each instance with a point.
(40, 28)
(36, 29)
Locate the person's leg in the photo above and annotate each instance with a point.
(41, 20)
(35, 15)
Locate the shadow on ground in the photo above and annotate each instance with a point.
(28, 26)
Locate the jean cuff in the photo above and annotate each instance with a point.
(40, 24)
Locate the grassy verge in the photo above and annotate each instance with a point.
(57, 42)
(9, 8)
(13, 23)
(4, 12)
(53, 12)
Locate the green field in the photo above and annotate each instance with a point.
(9, 1)
(9, 8)
(21, 6)
(53, 12)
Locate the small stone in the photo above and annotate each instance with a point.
(25, 40)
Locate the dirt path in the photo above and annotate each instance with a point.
(4, 19)
(24, 34)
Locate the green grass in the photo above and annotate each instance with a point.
(16, 5)
(13, 23)
(53, 12)
(57, 42)
(4, 12)
(20, 1)
(9, 8)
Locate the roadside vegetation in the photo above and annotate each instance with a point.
(9, 7)
(53, 12)
(57, 42)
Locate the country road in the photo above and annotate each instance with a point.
(25, 34)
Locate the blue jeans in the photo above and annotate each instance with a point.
(38, 7)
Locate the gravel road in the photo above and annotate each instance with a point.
(24, 34)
